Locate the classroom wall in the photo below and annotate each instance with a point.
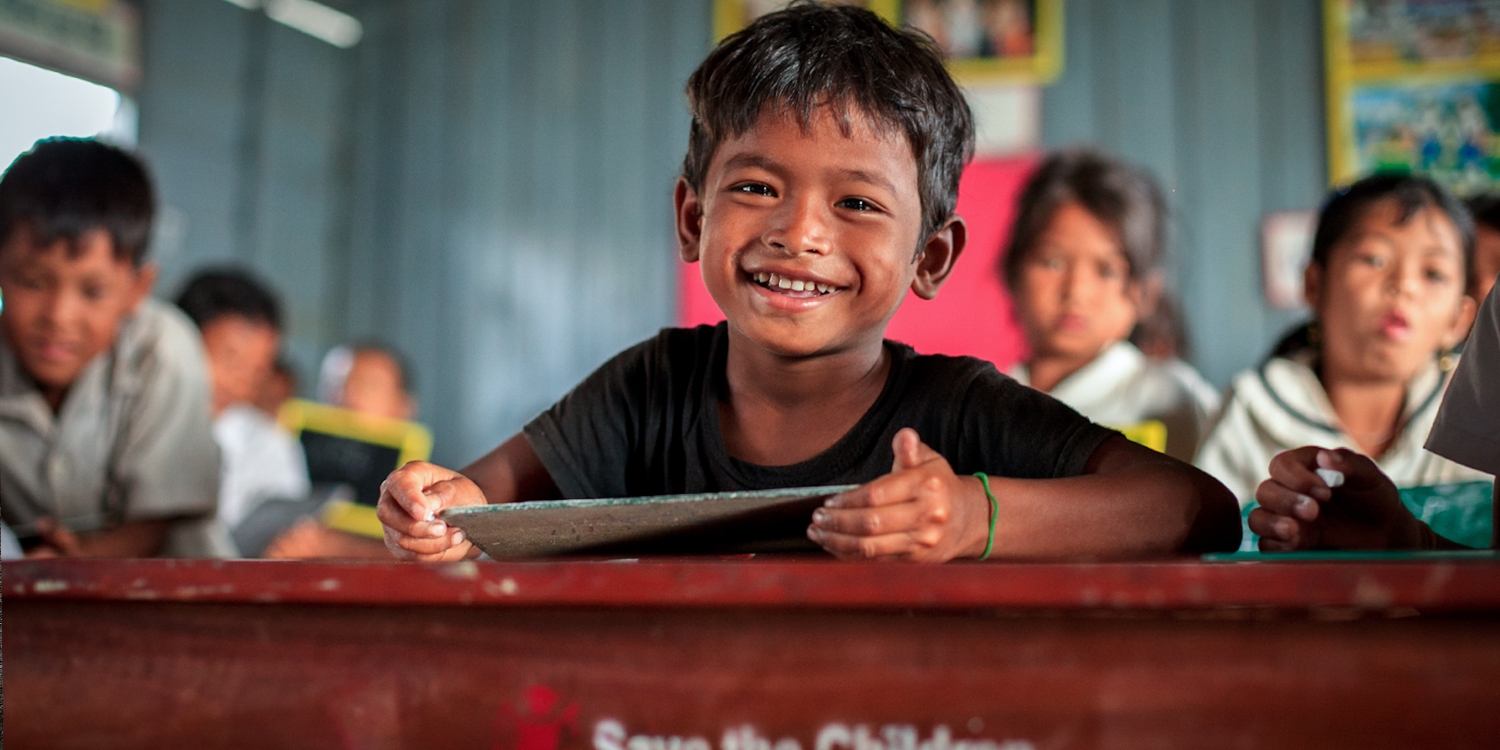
(1223, 101)
(485, 185)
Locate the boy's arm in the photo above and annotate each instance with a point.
(1130, 502)
(416, 492)
(131, 539)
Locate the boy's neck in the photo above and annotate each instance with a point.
(779, 410)
(1369, 411)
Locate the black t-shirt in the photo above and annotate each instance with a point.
(647, 423)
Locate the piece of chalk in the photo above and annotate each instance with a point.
(1331, 477)
(431, 515)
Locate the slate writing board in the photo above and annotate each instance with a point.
(712, 523)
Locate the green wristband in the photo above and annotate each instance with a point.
(989, 543)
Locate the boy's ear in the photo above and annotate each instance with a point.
(1312, 285)
(939, 253)
(140, 289)
(689, 216)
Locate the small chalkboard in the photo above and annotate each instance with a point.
(355, 449)
(714, 523)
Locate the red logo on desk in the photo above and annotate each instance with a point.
(540, 722)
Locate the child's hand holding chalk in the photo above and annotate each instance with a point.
(1331, 477)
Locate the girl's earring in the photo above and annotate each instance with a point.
(1449, 359)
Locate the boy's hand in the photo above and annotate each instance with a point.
(411, 496)
(921, 511)
(57, 540)
(1298, 509)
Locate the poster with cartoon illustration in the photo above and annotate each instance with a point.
(1412, 86)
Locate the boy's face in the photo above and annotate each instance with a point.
(62, 309)
(1392, 294)
(241, 355)
(1074, 295)
(808, 238)
(374, 387)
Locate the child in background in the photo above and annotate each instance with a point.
(1299, 510)
(371, 379)
(1082, 267)
(278, 388)
(1386, 284)
(822, 170)
(368, 378)
(106, 448)
(1486, 210)
(240, 321)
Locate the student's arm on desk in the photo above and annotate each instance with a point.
(132, 539)
(506, 474)
(1130, 502)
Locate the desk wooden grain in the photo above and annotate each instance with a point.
(751, 655)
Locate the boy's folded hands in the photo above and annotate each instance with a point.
(1299, 510)
(410, 499)
(920, 512)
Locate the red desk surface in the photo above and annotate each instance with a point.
(751, 655)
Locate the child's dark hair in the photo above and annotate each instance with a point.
(1486, 210)
(1120, 196)
(1345, 206)
(809, 56)
(64, 187)
(214, 294)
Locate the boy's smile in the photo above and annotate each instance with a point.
(808, 236)
(62, 309)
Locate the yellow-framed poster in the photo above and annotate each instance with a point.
(1414, 85)
(985, 41)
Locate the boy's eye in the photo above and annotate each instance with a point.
(1372, 260)
(857, 204)
(1436, 275)
(93, 292)
(1052, 264)
(1110, 271)
(754, 188)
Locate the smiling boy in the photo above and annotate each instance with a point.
(819, 187)
(105, 445)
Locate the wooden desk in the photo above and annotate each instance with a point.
(752, 655)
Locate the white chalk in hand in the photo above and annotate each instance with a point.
(1331, 477)
(432, 516)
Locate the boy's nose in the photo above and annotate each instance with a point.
(800, 227)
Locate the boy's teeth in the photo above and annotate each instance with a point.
(781, 282)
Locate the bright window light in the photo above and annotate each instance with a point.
(311, 18)
(43, 103)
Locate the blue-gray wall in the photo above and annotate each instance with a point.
(1223, 101)
(487, 184)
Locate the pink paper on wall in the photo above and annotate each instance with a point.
(971, 315)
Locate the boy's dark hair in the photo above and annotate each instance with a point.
(1412, 193)
(213, 294)
(1120, 196)
(809, 56)
(1486, 210)
(65, 187)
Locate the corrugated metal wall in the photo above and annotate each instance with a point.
(1223, 100)
(487, 184)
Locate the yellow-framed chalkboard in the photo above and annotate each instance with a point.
(355, 449)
